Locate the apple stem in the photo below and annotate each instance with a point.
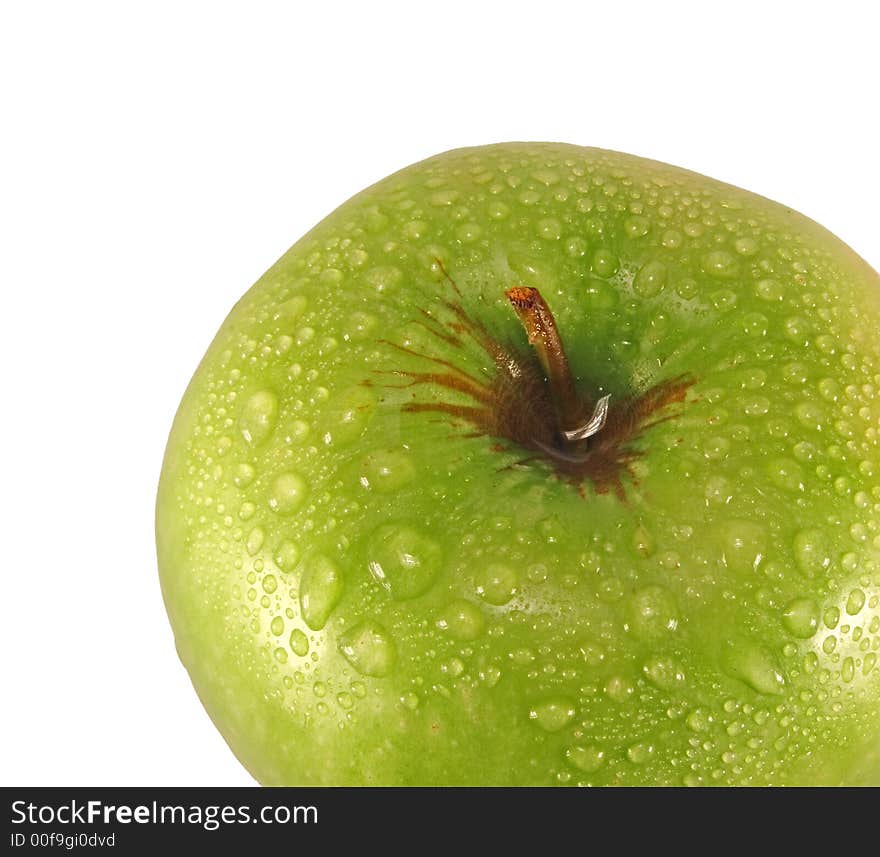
(543, 333)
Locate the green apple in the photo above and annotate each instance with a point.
(531, 465)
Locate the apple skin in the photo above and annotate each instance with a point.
(364, 595)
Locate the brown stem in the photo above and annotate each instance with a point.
(543, 334)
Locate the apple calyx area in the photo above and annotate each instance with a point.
(532, 401)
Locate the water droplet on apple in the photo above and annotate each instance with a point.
(291, 309)
(755, 324)
(403, 560)
(664, 672)
(299, 643)
(410, 700)
(797, 330)
(786, 474)
(810, 415)
(415, 229)
(550, 229)
(640, 753)
(718, 491)
(699, 720)
(753, 378)
(801, 618)
(368, 647)
(469, 232)
(270, 583)
(687, 288)
(604, 263)
(652, 613)
(444, 197)
(827, 344)
(746, 246)
(588, 759)
(276, 626)
(462, 620)
(537, 573)
(454, 667)
(770, 290)
(288, 493)
(287, 556)
(522, 656)
(545, 176)
(384, 278)
(636, 226)
(650, 280)
(360, 326)
(304, 335)
(496, 583)
(723, 300)
(498, 210)
(319, 591)
(601, 295)
(804, 451)
(576, 247)
(671, 239)
(490, 676)
(619, 689)
(592, 653)
(244, 475)
(744, 545)
(755, 666)
(811, 552)
(297, 431)
(387, 470)
(719, 264)
(254, 541)
(553, 714)
(346, 418)
(829, 389)
(756, 406)
(643, 541)
(855, 602)
(258, 417)
(609, 590)
(831, 618)
(716, 448)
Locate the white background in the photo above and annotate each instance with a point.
(156, 157)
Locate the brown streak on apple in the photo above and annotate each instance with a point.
(436, 328)
(443, 379)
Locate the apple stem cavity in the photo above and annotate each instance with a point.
(532, 401)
